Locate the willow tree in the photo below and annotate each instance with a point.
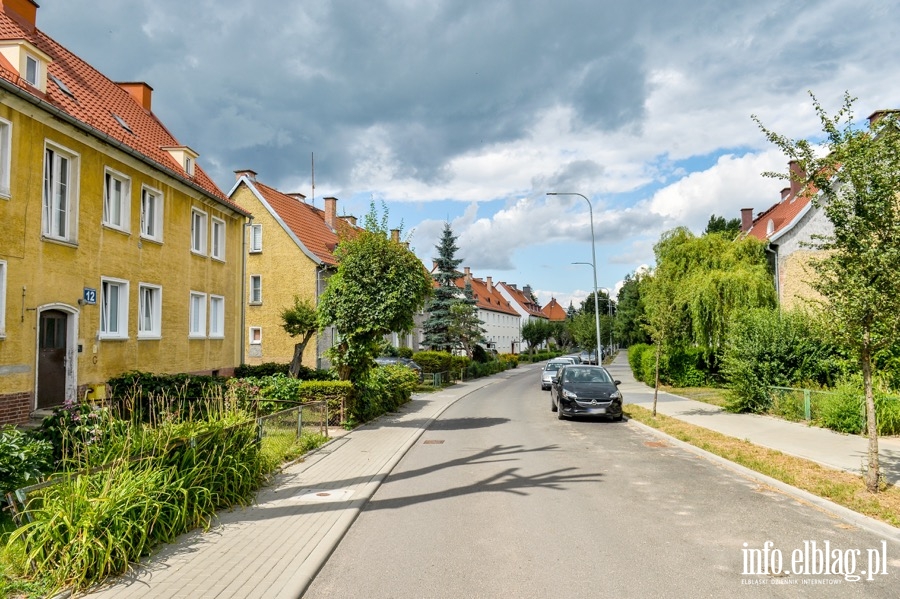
(858, 181)
(713, 277)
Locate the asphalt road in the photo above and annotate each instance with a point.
(499, 499)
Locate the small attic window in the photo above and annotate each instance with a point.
(189, 165)
(121, 122)
(62, 86)
(184, 157)
(770, 227)
(32, 70)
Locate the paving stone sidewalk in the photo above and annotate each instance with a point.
(274, 548)
(835, 450)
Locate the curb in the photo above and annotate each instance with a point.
(862, 521)
(305, 574)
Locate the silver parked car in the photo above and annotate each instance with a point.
(550, 369)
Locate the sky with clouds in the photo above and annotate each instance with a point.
(469, 112)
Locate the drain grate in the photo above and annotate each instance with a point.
(432, 442)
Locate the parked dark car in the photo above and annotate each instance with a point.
(582, 390)
(385, 360)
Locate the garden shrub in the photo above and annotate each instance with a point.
(511, 359)
(384, 389)
(636, 359)
(842, 410)
(405, 352)
(259, 370)
(480, 355)
(685, 367)
(458, 364)
(23, 459)
(433, 361)
(765, 348)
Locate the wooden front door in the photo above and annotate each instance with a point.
(52, 338)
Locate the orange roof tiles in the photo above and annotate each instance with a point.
(554, 311)
(526, 302)
(304, 220)
(783, 213)
(485, 299)
(94, 101)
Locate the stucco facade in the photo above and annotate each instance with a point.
(99, 271)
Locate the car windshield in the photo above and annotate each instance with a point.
(553, 366)
(586, 375)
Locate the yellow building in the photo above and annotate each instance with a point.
(291, 245)
(118, 252)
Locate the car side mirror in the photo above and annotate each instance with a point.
(617, 383)
(554, 379)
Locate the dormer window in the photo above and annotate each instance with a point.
(29, 62)
(770, 227)
(185, 157)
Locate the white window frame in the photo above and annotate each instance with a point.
(59, 220)
(31, 59)
(3, 269)
(189, 165)
(255, 297)
(255, 340)
(121, 308)
(217, 239)
(155, 218)
(197, 315)
(255, 239)
(124, 200)
(216, 316)
(199, 231)
(154, 329)
(5, 158)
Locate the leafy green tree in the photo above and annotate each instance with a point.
(661, 321)
(377, 289)
(728, 228)
(584, 330)
(301, 321)
(465, 328)
(535, 332)
(858, 181)
(437, 326)
(629, 319)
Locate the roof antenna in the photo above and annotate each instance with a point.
(313, 162)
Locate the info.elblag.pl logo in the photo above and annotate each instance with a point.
(816, 559)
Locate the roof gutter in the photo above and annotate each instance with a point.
(67, 118)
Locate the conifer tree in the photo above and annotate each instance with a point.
(437, 326)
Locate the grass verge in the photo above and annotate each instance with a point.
(710, 395)
(843, 488)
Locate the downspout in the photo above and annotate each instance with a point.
(772, 249)
(244, 291)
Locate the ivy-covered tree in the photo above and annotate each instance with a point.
(858, 182)
(378, 287)
(301, 321)
(436, 328)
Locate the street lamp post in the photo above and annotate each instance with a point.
(609, 311)
(593, 263)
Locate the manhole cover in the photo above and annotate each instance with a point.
(433, 442)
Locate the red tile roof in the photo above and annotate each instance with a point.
(304, 220)
(526, 302)
(783, 213)
(485, 300)
(94, 100)
(554, 311)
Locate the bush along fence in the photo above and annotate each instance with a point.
(158, 460)
(842, 409)
(443, 368)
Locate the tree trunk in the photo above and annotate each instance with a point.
(297, 360)
(656, 386)
(872, 474)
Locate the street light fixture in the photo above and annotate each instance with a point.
(593, 263)
(609, 311)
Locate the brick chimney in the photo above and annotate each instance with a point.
(250, 174)
(331, 212)
(490, 284)
(785, 193)
(468, 274)
(23, 12)
(140, 91)
(746, 219)
(798, 177)
(879, 114)
(395, 235)
(351, 220)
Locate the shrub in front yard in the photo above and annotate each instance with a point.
(384, 389)
(23, 459)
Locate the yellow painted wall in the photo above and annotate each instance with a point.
(54, 272)
(286, 271)
(795, 274)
